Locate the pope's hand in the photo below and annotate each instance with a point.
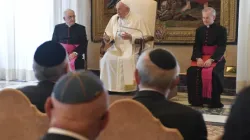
(126, 36)
(106, 38)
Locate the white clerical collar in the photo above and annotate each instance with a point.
(69, 25)
(60, 131)
(209, 25)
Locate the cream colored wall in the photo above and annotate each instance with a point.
(182, 54)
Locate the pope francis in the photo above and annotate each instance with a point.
(118, 64)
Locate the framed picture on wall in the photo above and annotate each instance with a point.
(176, 20)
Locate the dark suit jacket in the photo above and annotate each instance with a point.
(51, 136)
(38, 94)
(189, 122)
(237, 126)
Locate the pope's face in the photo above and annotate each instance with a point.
(122, 10)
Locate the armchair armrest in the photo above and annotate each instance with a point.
(143, 41)
(104, 47)
(147, 38)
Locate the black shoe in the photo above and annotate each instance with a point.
(197, 105)
(216, 106)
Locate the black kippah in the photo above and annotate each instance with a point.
(163, 59)
(50, 54)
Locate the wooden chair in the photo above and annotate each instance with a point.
(130, 120)
(19, 119)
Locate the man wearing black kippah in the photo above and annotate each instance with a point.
(157, 74)
(78, 107)
(50, 63)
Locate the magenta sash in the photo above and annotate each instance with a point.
(207, 73)
(70, 48)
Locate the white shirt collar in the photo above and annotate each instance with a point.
(150, 89)
(55, 130)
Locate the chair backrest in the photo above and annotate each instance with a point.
(130, 120)
(147, 10)
(19, 119)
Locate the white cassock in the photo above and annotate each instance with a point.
(118, 64)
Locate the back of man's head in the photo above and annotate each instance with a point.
(50, 61)
(79, 103)
(157, 69)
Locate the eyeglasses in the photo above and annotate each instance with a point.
(71, 17)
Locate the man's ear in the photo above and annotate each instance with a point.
(64, 18)
(67, 68)
(214, 17)
(105, 120)
(48, 107)
(175, 82)
(137, 77)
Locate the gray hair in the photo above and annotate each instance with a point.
(209, 9)
(66, 11)
(152, 76)
(50, 73)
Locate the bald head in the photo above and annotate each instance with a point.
(157, 69)
(79, 103)
(122, 9)
(69, 17)
(90, 110)
(87, 119)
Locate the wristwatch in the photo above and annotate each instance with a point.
(75, 53)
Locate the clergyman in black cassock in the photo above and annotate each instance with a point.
(72, 33)
(210, 42)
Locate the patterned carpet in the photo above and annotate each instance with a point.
(226, 100)
(215, 111)
(214, 131)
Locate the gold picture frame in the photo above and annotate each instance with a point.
(165, 34)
